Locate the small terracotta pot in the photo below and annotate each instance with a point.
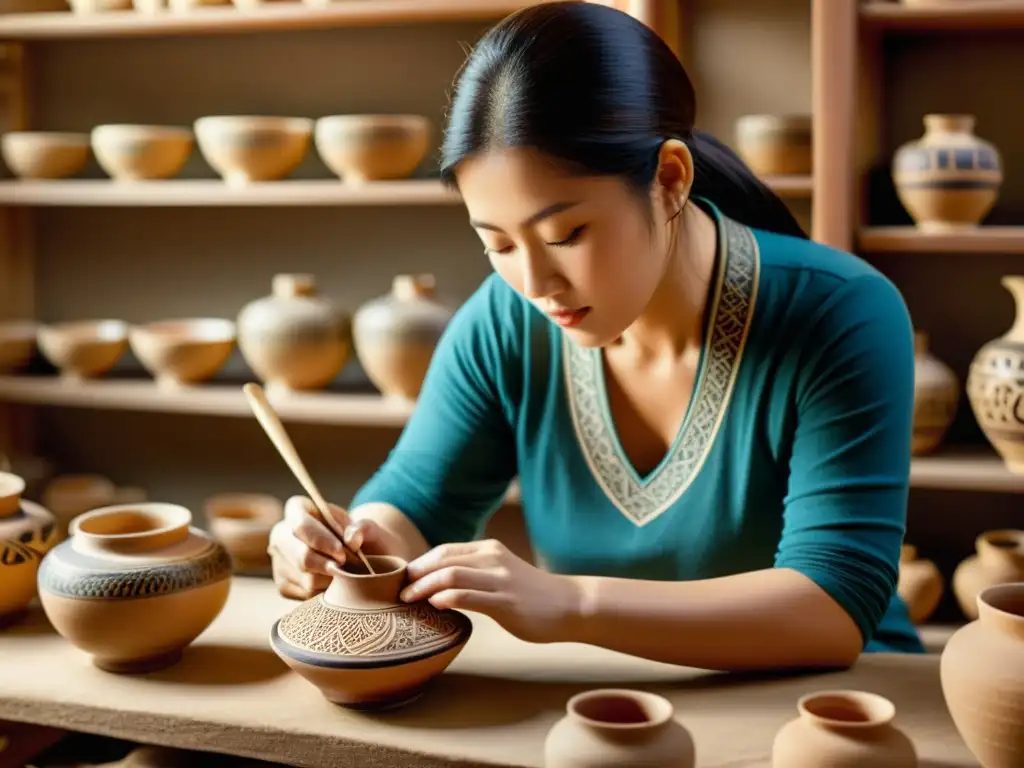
(178, 353)
(242, 523)
(775, 144)
(68, 496)
(244, 149)
(998, 559)
(139, 152)
(920, 584)
(17, 344)
(84, 349)
(982, 673)
(853, 729)
(615, 727)
(134, 585)
(361, 148)
(936, 396)
(362, 646)
(27, 533)
(45, 154)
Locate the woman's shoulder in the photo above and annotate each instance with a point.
(794, 257)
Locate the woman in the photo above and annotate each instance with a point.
(710, 415)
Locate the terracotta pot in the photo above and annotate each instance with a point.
(936, 396)
(242, 523)
(134, 585)
(68, 496)
(395, 335)
(615, 727)
(45, 154)
(775, 144)
(83, 349)
(178, 353)
(361, 148)
(920, 584)
(17, 344)
(998, 559)
(27, 532)
(362, 646)
(982, 673)
(138, 152)
(292, 339)
(244, 149)
(949, 179)
(995, 385)
(847, 729)
(34, 470)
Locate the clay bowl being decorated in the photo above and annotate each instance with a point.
(17, 344)
(182, 352)
(140, 152)
(134, 585)
(245, 148)
(27, 532)
(362, 646)
(242, 523)
(45, 154)
(361, 148)
(84, 349)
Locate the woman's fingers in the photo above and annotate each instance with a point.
(469, 600)
(465, 553)
(293, 582)
(459, 577)
(306, 527)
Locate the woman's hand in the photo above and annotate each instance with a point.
(306, 552)
(484, 576)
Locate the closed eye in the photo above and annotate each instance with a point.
(572, 238)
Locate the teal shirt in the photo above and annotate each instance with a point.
(794, 452)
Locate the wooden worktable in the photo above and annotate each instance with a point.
(231, 694)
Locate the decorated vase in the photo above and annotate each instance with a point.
(294, 339)
(27, 532)
(395, 335)
(948, 179)
(982, 674)
(936, 396)
(852, 729)
(920, 584)
(995, 385)
(242, 523)
(998, 559)
(611, 727)
(362, 646)
(134, 585)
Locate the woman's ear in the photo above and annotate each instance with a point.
(674, 177)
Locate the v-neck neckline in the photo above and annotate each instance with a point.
(732, 295)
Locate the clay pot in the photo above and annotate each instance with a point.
(17, 344)
(949, 179)
(27, 532)
(292, 339)
(775, 144)
(920, 584)
(615, 727)
(851, 729)
(998, 559)
(395, 335)
(182, 352)
(995, 385)
(34, 470)
(68, 496)
(45, 154)
(242, 523)
(361, 148)
(137, 152)
(936, 396)
(244, 149)
(362, 646)
(982, 673)
(134, 585)
(83, 349)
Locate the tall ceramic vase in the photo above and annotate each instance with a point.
(995, 385)
(27, 533)
(949, 179)
(617, 727)
(998, 559)
(936, 396)
(395, 335)
(982, 673)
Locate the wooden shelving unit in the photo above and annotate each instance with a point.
(959, 16)
(912, 240)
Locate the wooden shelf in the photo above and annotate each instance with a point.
(791, 186)
(978, 470)
(214, 192)
(954, 16)
(1006, 240)
(224, 20)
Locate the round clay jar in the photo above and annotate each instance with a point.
(998, 559)
(982, 673)
(936, 396)
(920, 584)
(242, 523)
(68, 496)
(775, 144)
(27, 533)
(134, 585)
(607, 728)
(852, 729)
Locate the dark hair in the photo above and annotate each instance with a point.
(601, 91)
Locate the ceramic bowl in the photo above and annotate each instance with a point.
(182, 352)
(84, 349)
(775, 144)
(45, 154)
(361, 148)
(17, 344)
(245, 148)
(140, 152)
(242, 523)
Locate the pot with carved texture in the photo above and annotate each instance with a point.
(995, 385)
(936, 396)
(362, 646)
(134, 585)
(27, 532)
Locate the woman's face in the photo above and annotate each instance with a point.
(581, 249)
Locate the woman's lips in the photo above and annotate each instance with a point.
(567, 318)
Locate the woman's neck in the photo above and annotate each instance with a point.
(671, 326)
